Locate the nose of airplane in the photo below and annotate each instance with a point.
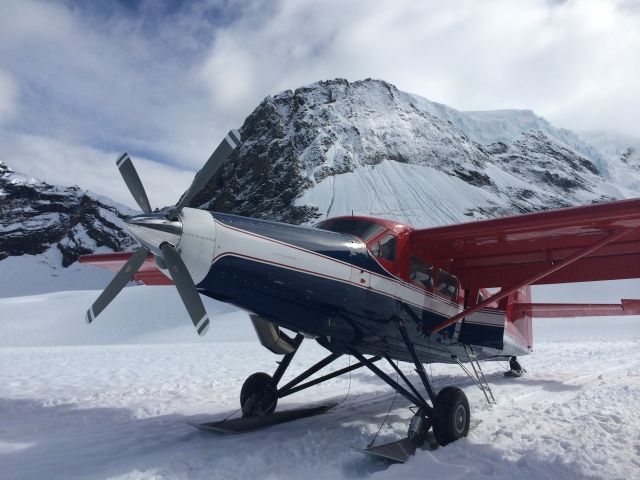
(152, 230)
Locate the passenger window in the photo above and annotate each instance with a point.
(421, 272)
(447, 284)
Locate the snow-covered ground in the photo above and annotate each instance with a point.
(113, 400)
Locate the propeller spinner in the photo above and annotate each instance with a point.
(161, 234)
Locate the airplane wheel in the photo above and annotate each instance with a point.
(256, 397)
(451, 415)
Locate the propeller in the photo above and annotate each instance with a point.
(187, 290)
(160, 234)
(131, 178)
(216, 160)
(117, 283)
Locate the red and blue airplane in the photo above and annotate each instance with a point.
(376, 289)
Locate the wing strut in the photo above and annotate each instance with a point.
(547, 271)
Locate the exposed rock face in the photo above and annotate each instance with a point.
(35, 216)
(297, 141)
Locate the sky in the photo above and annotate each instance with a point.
(81, 82)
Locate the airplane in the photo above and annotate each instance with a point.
(375, 289)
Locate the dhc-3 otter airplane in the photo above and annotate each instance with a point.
(376, 289)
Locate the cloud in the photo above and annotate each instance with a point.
(61, 163)
(576, 62)
(8, 97)
(166, 81)
(109, 82)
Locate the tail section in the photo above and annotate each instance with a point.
(510, 320)
(519, 327)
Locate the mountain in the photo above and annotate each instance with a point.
(337, 148)
(334, 148)
(45, 228)
(622, 155)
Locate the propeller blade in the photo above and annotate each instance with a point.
(131, 178)
(216, 160)
(117, 283)
(186, 288)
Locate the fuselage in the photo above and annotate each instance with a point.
(349, 291)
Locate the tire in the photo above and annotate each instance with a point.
(451, 415)
(256, 397)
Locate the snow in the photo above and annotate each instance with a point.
(623, 157)
(394, 190)
(43, 221)
(486, 127)
(419, 195)
(113, 400)
(33, 274)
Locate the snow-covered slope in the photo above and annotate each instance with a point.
(335, 147)
(622, 154)
(502, 126)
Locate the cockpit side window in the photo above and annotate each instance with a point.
(385, 248)
(421, 272)
(447, 284)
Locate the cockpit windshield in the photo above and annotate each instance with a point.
(363, 229)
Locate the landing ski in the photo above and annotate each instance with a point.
(401, 450)
(249, 424)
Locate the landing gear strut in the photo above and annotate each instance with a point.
(419, 428)
(449, 415)
(447, 412)
(260, 393)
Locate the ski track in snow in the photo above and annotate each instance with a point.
(121, 411)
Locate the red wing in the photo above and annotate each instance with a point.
(506, 251)
(147, 274)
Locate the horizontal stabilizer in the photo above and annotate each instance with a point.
(149, 274)
(568, 310)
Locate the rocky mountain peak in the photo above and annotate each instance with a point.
(4, 168)
(336, 146)
(67, 222)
